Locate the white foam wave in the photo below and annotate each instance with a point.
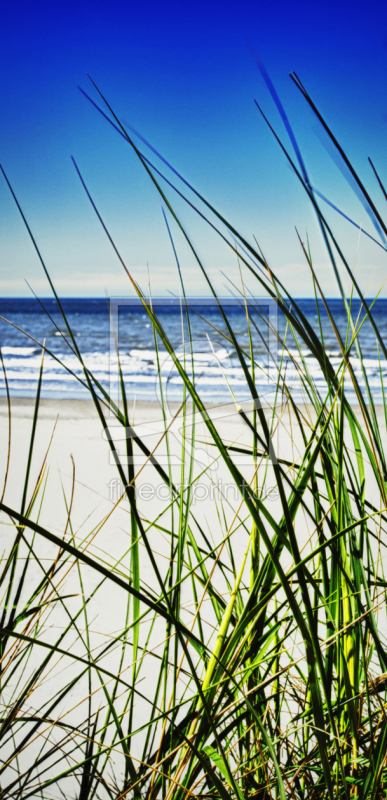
(140, 371)
(18, 351)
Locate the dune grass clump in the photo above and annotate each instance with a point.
(283, 694)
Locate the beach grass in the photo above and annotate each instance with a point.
(270, 676)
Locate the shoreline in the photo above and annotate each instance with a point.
(70, 408)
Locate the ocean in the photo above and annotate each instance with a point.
(214, 366)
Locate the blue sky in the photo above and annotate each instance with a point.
(182, 73)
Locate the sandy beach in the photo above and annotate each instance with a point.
(71, 435)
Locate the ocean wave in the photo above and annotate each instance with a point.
(19, 351)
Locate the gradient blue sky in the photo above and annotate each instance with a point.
(183, 75)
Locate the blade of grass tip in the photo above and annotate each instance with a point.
(297, 81)
(378, 179)
(123, 133)
(257, 308)
(304, 181)
(44, 309)
(283, 115)
(337, 160)
(70, 507)
(68, 327)
(359, 227)
(340, 150)
(42, 262)
(326, 231)
(9, 426)
(42, 469)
